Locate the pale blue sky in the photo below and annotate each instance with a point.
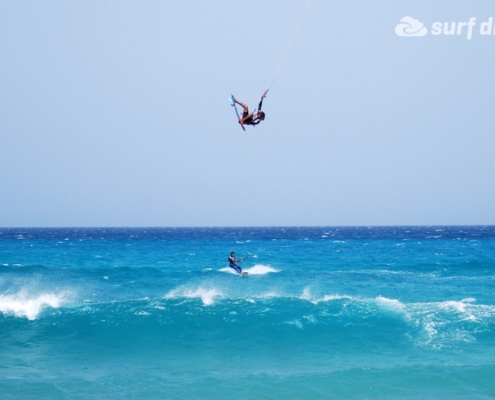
(116, 113)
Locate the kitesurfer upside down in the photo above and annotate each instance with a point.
(248, 118)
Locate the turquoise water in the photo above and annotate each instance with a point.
(326, 312)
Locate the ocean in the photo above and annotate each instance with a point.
(325, 313)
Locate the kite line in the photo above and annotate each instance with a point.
(255, 117)
(301, 20)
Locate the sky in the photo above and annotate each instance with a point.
(116, 113)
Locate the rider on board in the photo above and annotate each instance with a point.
(232, 263)
(253, 118)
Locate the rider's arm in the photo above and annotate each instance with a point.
(246, 117)
(261, 103)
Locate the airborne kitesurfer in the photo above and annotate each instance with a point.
(253, 118)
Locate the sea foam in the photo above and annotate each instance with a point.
(258, 269)
(29, 306)
(207, 296)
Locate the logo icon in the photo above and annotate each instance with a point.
(409, 26)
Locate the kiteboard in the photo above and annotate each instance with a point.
(245, 273)
(232, 103)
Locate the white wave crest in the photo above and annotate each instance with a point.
(331, 297)
(207, 296)
(258, 269)
(29, 306)
(306, 295)
(391, 304)
(459, 306)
